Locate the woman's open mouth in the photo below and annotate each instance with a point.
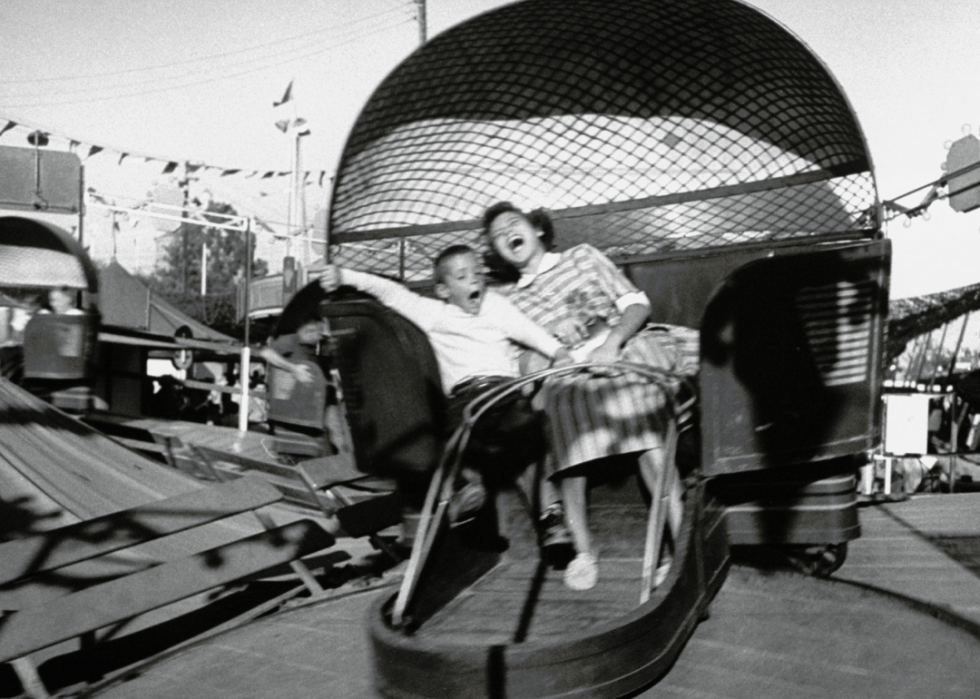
(516, 243)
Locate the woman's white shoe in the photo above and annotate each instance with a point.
(582, 572)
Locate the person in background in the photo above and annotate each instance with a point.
(289, 351)
(63, 300)
(12, 323)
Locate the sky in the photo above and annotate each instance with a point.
(195, 80)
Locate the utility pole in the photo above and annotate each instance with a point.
(420, 5)
(185, 185)
(402, 245)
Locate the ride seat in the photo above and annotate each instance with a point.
(392, 389)
(59, 359)
(60, 346)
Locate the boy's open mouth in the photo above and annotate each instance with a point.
(516, 243)
(474, 295)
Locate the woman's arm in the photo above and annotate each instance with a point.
(630, 322)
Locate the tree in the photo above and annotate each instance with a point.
(178, 277)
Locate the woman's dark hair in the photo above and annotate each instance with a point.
(498, 270)
(539, 218)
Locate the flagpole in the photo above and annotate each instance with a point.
(420, 7)
(421, 17)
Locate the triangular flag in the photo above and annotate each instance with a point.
(93, 150)
(283, 125)
(229, 172)
(122, 156)
(287, 96)
(323, 174)
(9, 125)
(169, 167)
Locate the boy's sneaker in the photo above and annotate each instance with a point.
(552, 529)
(466, 502)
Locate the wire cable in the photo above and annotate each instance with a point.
(123, 94)
(201, 59)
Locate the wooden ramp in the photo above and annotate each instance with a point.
(56, 471)
(151, 435)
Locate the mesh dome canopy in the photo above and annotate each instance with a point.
(644, 126)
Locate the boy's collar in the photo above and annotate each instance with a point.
(548, 261)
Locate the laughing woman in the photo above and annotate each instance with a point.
(582, 297)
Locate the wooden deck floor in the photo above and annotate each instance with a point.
(520, 600)
(771, 634)
(523, 599)
(926, 548)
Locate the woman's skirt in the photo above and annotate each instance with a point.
(591, 417)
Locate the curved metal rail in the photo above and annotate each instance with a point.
(441, 486)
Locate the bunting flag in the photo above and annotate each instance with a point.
(286, 118)
(297, 125)
(284, 113)
(287, 96)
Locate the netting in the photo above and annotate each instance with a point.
(644, 126)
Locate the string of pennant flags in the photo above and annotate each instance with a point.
(40, 137)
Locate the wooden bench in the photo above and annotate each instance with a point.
(31, 628)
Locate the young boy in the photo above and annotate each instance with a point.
(473, 331)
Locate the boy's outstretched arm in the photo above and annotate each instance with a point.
(418, 309)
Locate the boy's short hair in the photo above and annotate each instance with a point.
(448, 253)
(307, 316)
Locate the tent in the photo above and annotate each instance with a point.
(128, 303)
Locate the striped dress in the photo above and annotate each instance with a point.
(591, 417)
